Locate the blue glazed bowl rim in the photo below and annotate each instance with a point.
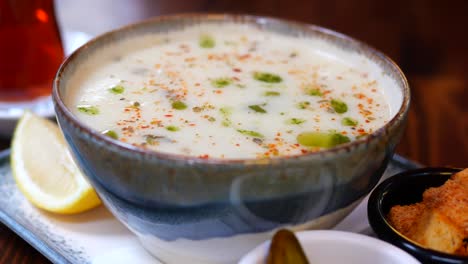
(384, 230)
(246, 19)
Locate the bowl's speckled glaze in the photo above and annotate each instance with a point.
(175, 198)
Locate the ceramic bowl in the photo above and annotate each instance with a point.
(403, 189)
(337, 247)
(211, 210)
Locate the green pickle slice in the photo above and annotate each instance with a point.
(286, 249)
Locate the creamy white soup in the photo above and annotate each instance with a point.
(230, 91)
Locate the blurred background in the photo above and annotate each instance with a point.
(427, 39)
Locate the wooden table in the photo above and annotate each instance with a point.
(427, 40)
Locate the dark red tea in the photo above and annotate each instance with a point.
(30, 49)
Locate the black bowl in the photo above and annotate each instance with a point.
(404, 189)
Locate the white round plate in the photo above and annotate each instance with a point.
(330, 247)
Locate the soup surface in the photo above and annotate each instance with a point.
(230, 91)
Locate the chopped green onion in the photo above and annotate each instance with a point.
(271, 93)
(303, 105)
(206, 42)
(211, 119)
(250, 133)
(320, 139)
(226, 122)
(314, 92)
(339, 106)
(221, 82)
(179, 105)
(267, 77)
(152, 139)
(88, 109)
(118, 89)
(340, 139)
(257, 108)
(111, 134)
(295, 121)
(172, 128)
(226, 113)
(348, 121)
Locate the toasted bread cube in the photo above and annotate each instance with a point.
(434, 230)
(440, 221)
(462, 178)
(403, 217)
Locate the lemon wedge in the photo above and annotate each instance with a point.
(44, 170)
